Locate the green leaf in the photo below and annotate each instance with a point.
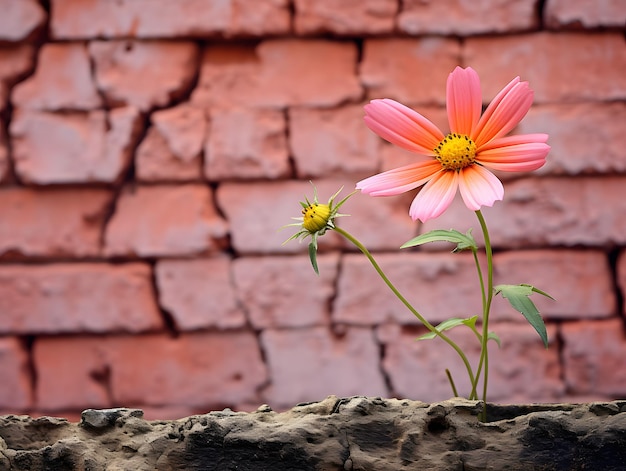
(463, 241)
(518, 297)
(493, 336)
(313, 256)
(449, 324)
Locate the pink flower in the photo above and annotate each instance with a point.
(462, 158)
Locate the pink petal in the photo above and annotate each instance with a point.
(402, 126)
(504, 113)
(520, 153)
(464, 100)
(479, 187)
(399, 180)
(435, 197)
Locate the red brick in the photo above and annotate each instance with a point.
(378, 223)
(4, 153)
(256, 213)
(573, 150)
(195, 370)
(165, 220)
(155, 161)
(72, 373)
(16, 62)
(62, 80)
(439, 286)
(548, 211)
(310, 364)
(579, 281)
(285, 291)
(85, 19)
(581, 14)
(15, 387)
(327, 142)
(409, 70)
(621, 277)
(462, 18)
(199, 293)
(74, 147)
(246, 143)
(89, 297)
(522, 371)
(567, 67)
(20, 19)
(55, 222)
(345, 17)
(278, 73)
(184, 129)
(593, 358)
(121, 68)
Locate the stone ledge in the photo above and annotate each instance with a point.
(357, 433)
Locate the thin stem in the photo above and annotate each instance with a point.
(473, 393)
(484, 355)
(408, 305)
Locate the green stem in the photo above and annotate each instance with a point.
(484, 355)
(473, 393)
(408, 305)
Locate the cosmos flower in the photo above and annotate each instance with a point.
(463, 158)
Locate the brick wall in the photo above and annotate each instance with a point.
(150, 150)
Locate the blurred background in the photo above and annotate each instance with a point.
(150, 150)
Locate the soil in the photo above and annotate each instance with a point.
(357, 433)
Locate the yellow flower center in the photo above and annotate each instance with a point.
(456, 151)
(315, 217)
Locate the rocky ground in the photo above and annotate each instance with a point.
(346, 434)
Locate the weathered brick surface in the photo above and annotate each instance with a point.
(15, 387)
(309, 364)
(199, 293)
(621, 277)
(257, 212)
(49, 223)
(85, 19)
(549, 211)
(122, 68)
(579, 281)
(463, 18)
(154, 370)
(439, 286)
(409, 70)
(77, 298)
(20, 19)
(4, 154)
(522, 370)
(283, 292)
(594, 357)
(74, 147)
(16, 61)
(566, 67)
(345, 17)
(574, 149)
(150, 151)
(166, 221)
(62, 80)
(333, 141)
(246, 143)
(278, 73)
(577, 14)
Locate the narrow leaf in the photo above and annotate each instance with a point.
(493, 336)
(463, 241)
(518, 297)
(313, 257)
(446, 325)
